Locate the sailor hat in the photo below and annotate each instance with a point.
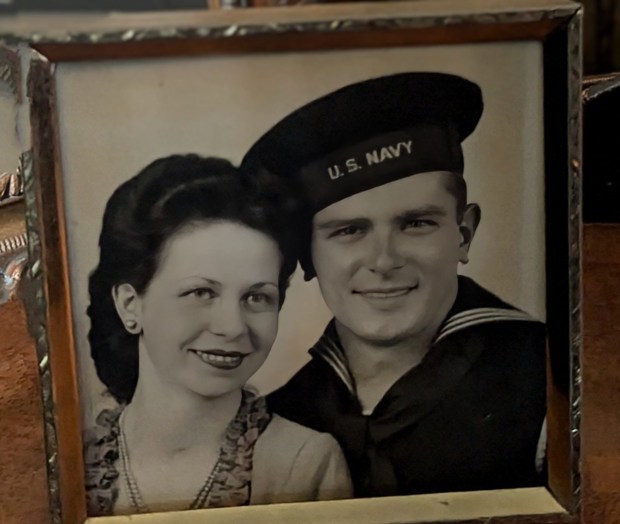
(370, 133)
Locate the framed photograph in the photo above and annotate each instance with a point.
(421, 160)
(13, 251)
(12, 226)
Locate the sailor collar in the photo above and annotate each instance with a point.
(473, 306)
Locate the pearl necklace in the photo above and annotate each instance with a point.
(135, 497)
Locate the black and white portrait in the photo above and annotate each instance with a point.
(307, 279)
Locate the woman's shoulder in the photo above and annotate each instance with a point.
(294, 436)
(293, 463)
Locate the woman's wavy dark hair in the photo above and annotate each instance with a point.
(143, 213)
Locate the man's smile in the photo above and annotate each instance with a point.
(384, 292)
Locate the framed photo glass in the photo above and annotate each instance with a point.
(442, 384)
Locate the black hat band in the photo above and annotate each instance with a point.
(380, 160)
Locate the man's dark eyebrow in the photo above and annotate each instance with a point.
(424, 211)
(343, 222)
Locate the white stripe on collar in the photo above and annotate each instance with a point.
(330, 351)
(484, 315)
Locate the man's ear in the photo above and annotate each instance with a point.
(127, 303)
(467, 228)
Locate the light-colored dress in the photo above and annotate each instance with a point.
(264, 459)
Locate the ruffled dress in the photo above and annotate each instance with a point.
(232, 477)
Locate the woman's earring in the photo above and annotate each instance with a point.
(131, 326)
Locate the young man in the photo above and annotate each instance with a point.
(429, 382)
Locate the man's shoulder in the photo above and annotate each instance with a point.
(471, 295)
(313, 384)
(476, 305)
(482, 319)
(304, 380)
(512, 333)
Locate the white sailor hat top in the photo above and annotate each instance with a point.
(370, 133)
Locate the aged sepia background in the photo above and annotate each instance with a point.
(118, 116)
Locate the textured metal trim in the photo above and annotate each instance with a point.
(34, 296)
(12, 244)
(415, 20)
(11, 187)
(595, 87)
(575, 78)
(13, 249)
(12, 266)
(12, 184)
(13, 259)
(10, 71)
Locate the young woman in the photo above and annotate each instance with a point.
(194, 262)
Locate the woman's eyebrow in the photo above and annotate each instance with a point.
(258, 285)
(206, 280)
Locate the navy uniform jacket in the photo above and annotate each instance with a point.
(468, 417)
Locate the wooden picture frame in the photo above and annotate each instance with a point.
(552, 27)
